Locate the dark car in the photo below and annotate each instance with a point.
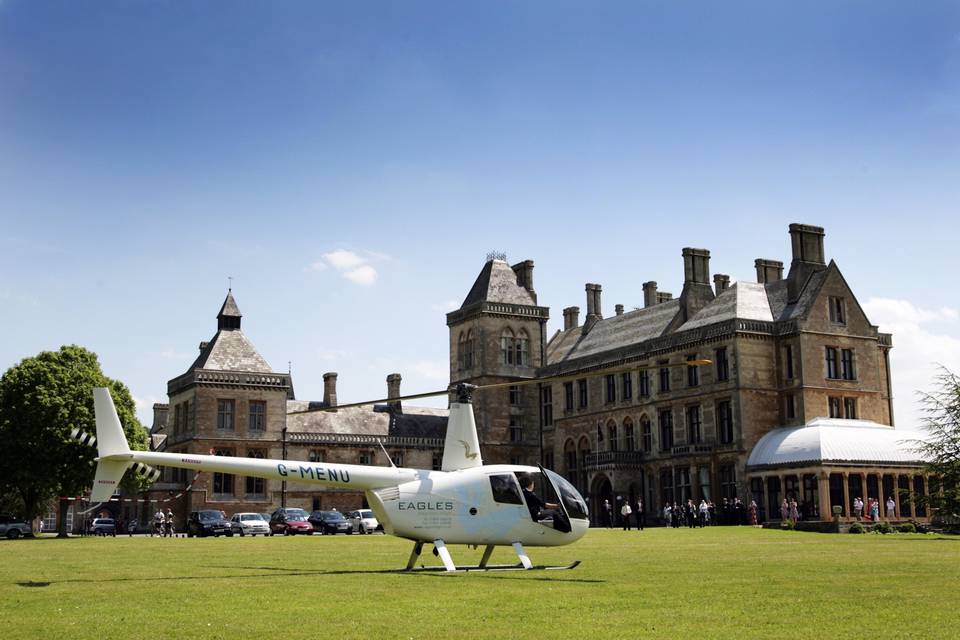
(12, 527)
(330, 522)
(290, 522)
(208, 522)
(103, 527)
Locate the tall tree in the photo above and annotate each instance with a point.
(41, 400)
(942, 449)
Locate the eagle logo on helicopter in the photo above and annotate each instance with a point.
(465, 502)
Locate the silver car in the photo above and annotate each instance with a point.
(249, 524)
(363, 521)
(12, 527)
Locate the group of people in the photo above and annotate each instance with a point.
(873, 509)
(706, 513)
(162, 524)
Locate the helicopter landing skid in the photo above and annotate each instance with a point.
(440, 550)
(495, 567)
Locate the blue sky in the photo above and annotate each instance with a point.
(350, 165)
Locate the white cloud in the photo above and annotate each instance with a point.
(351, 265)
(364, 275)
(341, 259)
(918, 350)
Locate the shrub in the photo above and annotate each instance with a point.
(856, 527)
(883, 527)
(907, 527)
(788, 525)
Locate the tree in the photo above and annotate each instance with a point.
(941, 410)
(41, 400)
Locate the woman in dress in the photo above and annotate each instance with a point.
(794, 512)
(784, 510)
(752, 510)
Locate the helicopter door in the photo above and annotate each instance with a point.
(561, 519)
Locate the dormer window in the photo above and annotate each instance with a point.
(838, 310)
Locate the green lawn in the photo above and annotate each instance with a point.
(710, 583)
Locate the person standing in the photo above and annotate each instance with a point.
(131, 526)
(625, 513)
(158, 522)
(704, 513)
(641, 517)
(794, 513)
(752, 511)
(784, 510)
(608, 513)
(168, 523)
(858, 508)
(874, 510)
(891, 509)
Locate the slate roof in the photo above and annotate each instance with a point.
(229, 307)
(742, 300)
(497, 282)
(413, 422)
(230, 350)
(837, 440)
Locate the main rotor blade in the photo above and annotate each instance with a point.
(515, 383)
(415, 396)
(606, 372)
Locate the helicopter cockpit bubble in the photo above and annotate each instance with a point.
(573, 502)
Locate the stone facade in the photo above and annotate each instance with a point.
(627, 417)
(231, 402)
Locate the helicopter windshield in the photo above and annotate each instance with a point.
(571, 498)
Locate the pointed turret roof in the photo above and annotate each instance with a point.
(497, 282)
(229, 316)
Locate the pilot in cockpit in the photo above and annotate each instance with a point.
(539, 510)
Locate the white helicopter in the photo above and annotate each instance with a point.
(466, 502)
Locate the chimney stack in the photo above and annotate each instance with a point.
(663, 296)
(649, 293)
(571, 318)
(618, 309)
(721, 282)
(594, 313)
(807, 243)
(768, 270)
(524, 271)
(697, 291)
(330, 389)
(393, 391)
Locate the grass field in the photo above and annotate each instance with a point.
(710, 583)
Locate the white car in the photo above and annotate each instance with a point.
(363, 521)
(249, 524)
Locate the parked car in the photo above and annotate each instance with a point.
(363, 521)
(208, 522)
(249, 524)
(290, 522)
(12, 527)
(330, 522)
(103, 527)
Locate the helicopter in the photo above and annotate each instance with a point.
(465, 502)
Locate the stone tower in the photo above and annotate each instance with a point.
(497, 335)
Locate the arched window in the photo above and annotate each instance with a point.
(570, 459)
(506, 347)
(628, 442)
(612, 442)
(522, 349)
(462, 352)
(646, 435)
(583, 450)
(468, 350)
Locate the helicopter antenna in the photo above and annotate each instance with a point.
(389, 459)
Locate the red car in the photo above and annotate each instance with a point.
(290, 522)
